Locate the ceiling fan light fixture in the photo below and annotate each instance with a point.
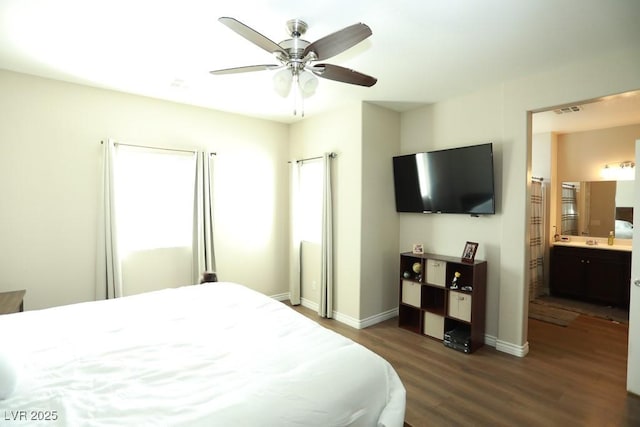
(282, 81)
(308, 83)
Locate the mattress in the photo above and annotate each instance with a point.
(218, 354)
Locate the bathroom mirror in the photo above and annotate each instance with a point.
(594, 208)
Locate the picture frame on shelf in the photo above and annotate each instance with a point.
(469, 253)
(418, 249)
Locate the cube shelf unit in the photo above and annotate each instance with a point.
(428, 306)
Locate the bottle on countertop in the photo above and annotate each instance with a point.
(610, 240)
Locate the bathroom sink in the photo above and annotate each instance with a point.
(599, 245)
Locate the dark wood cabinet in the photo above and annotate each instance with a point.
(430, 306)
(600, 276)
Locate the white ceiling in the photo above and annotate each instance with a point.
(611, 111)
(421, 51)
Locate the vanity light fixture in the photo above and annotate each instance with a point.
(623, 171)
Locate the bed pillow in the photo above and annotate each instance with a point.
(8, 376)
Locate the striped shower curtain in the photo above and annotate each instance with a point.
(569, 211)
(536, 243)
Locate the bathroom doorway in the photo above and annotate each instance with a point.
(612, 115)
(573, 143)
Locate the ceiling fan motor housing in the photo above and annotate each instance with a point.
(296, 27)
(295, 46)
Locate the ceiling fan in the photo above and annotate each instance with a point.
(298, 57)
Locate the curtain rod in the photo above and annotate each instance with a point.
(159, 148)
(331, 155)
(537, 178)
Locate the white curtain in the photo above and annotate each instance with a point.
(296, 242)
(203, 249)
(175, 233)
(536, 248)
(326, 275)
(108, 265)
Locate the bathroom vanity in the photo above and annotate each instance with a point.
(596, 273)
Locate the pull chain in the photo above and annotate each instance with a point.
(297, 96)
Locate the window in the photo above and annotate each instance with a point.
(311, 201)
(154, 196)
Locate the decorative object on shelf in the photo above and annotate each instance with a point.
(417, 267)
(454, 282)
(469, 253)
(418, 249)
(467, 288)
(406, 275)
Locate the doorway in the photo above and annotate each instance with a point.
(587, 119)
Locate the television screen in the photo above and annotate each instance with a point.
(457, 180)
(406, 173)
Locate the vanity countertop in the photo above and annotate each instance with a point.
(598, 245)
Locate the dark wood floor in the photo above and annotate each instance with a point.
(572, 376)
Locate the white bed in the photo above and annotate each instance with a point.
(217, 354)
(624, 229)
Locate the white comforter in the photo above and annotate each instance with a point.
(218, 354)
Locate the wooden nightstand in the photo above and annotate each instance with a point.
(12, 302)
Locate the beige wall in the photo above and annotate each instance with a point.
(541, 149)
(365, 137)
(501, 114)
(467, 120)
(379, 248)
(582, 155)
(339, 131)
(50, 160)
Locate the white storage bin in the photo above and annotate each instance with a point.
(436, 272)
(433, 325)
(460, 306)
(411, 293)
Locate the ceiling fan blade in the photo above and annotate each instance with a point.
(252, 35)
(247, 69)
(338, 42)
(342, 74)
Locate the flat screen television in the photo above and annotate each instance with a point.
(457, 180)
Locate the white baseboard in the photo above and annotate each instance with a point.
(512, 349)
(506, 347)
(309, 304)
(281, 297)
(365, 323)
(377, 318)
(490, 340)
(351, 321)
